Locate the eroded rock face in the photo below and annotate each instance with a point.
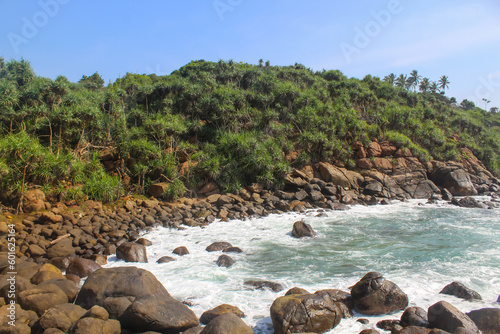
(304, 313)
(445, 316)
(373, 294)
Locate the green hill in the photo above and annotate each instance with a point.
(233, 123)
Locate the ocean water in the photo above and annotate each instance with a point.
(421, 248)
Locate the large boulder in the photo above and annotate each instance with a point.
(301, 229)
(164, 315)
(67, 286)
(209, 315)
(459, 290)
(40, 299)
(132, 252)
(60, 317)
(339, 176)
(228, 323)
(373, 294)
(454, 178)
(23, 319)
(342, 299)
(304, 313)
(486, 319)
(447, 317)
(82, 267)
(33, 200)
(119, 282)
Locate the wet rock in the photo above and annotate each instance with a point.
(302, 229)
(60, 317)
(165, 259)
(232, 250)
(363, 321)
(258, 285)
(342, 299)
(218, 246)
(40, 299)
(181, 251)
(387, 325)
(131, 252)
(228, 323)
(445, 193)
(486, 319)
(369, 331)
(224, 261)
(209, 315)
(469, 202)
(304, 313)
(445, 316)
(119, 282)
(164, 315)
(82, 267)
(414, 316)
(296, 291)
(373, 294)
(459, 290)
(144, 242)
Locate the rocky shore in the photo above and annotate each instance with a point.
(58, 244)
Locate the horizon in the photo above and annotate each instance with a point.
(458, 39)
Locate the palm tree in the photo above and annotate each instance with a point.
(415, 79)
(444, 82)
(434, 87)
(401, 81)
(390, 79)
(261, 62)
(425, 84)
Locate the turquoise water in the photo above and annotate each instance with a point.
(420, 248)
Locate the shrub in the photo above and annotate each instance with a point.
(100, 186)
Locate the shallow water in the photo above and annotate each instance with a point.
(420, 248)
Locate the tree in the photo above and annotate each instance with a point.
(486, 102)
(434, 87)
(401, 81)
(93, 82)
(494, 109)
(390, 79)
(425, 85)
(20, 72)
(261, 62)
(444, 82)
(414, 79)
(467, 105)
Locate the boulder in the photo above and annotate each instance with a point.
(158, 189)
(164, 315)
(60, 317)
(304, 313)
(132, 252)
(373, 295)
(165, 259)
(469, 202)
(459, 290)
(447, 317)
(116, 306)
(414, 316)
(228, 323)
(259, 285)
(94, 325)
(35, 250)
(181, 251)
(302, 229)
(232, 250)
(119, 282)
(342, 299)
(194, 330)
(24, 319)
(33, 200)
(224, 261)
(40, 299)
(67, 286)
(487, 320)
(43, 276)
(454, 178)
(296, 291)
(82, 267)
(218, 246)
(330, 173)
(209, 315)
(374, 150)
(419, 330)
(62, 248)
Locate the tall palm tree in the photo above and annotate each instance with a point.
(414, 79)
(390, 79)
(401, 81)
(434, 87)
(444, 82)
(425, 85)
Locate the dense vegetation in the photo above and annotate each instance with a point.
(233, 123)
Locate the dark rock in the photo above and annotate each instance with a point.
(144, 242)
(363, 321)
(301, 195)
(445, 316)
(209, 315)
(302, 229)
(194, 330)
(414, 316)
(82, 267)
(62, 248)
(373, 295)
(455, 179)
(131, 252)
(259, 285)
(60, 262)
(60, 317)
(297, 291)
(387, 325)
(164, 315)
(119, 282)
(445, 193)
(218, 246)
(419, 330)
(342, 299)
(486, 319)
(165, 259)
(304, 313)
(469, 202)
(224, 261)
(459, 290)
(181, 251)
(232, 250)
(228, 323)
(369, 331)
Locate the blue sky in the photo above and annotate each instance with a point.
(457, 38)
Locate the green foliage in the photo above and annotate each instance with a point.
(101, 186)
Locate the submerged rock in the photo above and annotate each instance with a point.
(459, 290)
(373, 294)
(256, 285)
(302, 229)
(224, 261)
(218, 246)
